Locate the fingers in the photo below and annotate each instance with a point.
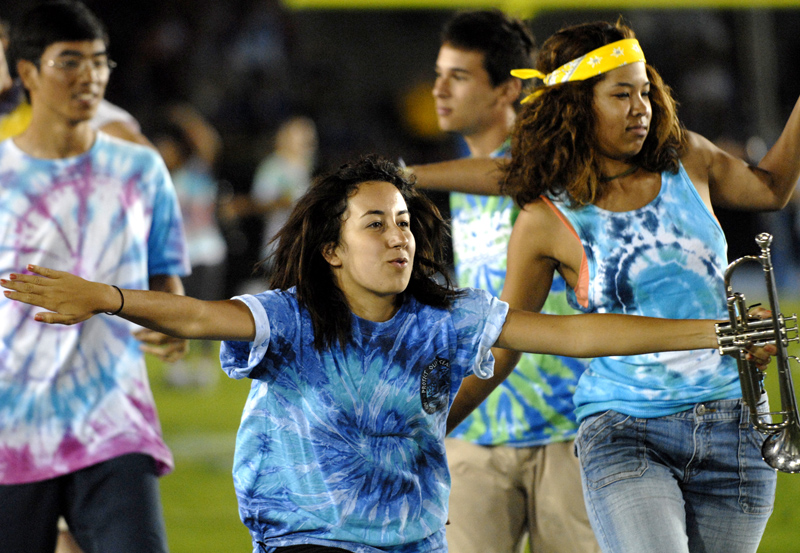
(27, 289)
(30, 288)
(759, 312)
(39, 291)
(36, 278)
(41, 276)
(25, 285)
(44, 271)
(761, 356)
(163, 346)
(171, 352)
(54, 318)
(17, 293)
(759, 360)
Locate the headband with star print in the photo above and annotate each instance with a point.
(596, 62)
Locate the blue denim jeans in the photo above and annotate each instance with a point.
(689, 482)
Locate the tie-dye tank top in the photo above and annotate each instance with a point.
(666, 259)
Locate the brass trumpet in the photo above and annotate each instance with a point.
(781, 449)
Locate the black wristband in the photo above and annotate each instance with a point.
(122, 303)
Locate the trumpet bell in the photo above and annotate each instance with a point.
(781, 450)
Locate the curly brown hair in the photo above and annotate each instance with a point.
(552, 145)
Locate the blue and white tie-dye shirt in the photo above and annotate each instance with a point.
(346, 447)
(533, 406)
(666, 259)
(74, 396)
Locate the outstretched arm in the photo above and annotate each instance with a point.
(468, 175)
(599, 335)
(72, 299)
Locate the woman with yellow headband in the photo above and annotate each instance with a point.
(618, 198)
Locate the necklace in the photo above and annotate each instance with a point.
(625, 173)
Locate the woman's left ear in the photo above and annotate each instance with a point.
(330, 255)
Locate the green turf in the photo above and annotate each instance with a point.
(200, 506)
(783, 531)
(200, 426)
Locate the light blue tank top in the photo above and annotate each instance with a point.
(666, 259)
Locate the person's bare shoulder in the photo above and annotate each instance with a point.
(540, 232)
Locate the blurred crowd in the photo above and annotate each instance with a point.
(363, 78)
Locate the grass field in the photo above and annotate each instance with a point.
(200, 427)
(199, 503)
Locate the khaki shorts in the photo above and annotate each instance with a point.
(501, 495)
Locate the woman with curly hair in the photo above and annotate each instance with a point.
(618, 198)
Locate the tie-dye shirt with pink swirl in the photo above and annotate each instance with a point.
(74, 396)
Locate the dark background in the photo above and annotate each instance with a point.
(365, 76)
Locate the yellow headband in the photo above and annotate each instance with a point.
(596, 62)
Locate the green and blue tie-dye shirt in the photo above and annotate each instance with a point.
(533, 406)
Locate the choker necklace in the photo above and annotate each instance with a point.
(625, 173)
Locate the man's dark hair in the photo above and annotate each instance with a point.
(50, 22)
(505, 42)
(316, 223)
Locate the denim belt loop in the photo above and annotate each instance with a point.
(744, 418)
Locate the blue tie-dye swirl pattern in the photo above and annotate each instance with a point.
(665, 260)
(74, 396)
(337, 447)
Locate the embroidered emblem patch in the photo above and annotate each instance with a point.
(435, 386)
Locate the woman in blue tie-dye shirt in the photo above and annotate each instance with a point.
(620, 198)
(355, 357)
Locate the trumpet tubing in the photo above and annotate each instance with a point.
(781, 449)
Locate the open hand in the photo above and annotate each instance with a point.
(70, 298)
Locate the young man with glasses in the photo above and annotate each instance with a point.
(79, 435)
(15, 111)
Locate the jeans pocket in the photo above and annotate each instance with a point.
(757, 479)
(611, 448)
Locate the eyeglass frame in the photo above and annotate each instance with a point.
(95, 64)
